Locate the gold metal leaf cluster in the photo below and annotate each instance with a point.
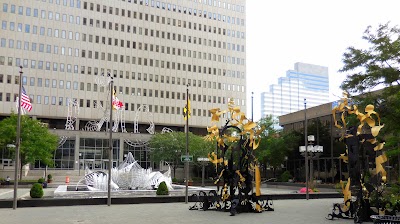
(235, 118)
(368, 120)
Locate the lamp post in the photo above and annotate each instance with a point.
(110, 143)
(187, 146)
(305, 142)
(312, 151)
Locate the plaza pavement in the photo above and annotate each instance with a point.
(7, 193)
(286, 211)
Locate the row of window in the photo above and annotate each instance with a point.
(117, 42)
(218, 4)
(163, 20)
(172, 22)
(52, 100)
(138, 76)
(13, 8)
(169, 7)
(114, 57)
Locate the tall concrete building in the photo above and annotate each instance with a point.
(306, 81)
(153, 50)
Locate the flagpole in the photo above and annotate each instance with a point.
(18, 141)
(187, 146)
(110, 144)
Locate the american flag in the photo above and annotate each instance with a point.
(25, 100)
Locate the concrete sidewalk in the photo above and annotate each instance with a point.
(23, 193)
(286, 211)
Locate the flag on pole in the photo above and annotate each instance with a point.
(186, 110)
(25, 100)
(117, 104)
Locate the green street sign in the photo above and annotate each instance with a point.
(185, 158)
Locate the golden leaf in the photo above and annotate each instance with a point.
(379, 146)
(249, 125)
(344, 158)
(370, 122)
(375, 130)
(369, 109)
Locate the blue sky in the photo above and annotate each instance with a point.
(281, 33)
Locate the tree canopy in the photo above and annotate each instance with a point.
(37, 143)
(375, 66)
(275, 145)
(170, 146)
(378, 66)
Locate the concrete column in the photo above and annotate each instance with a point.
(121, 150)
(77, 141)
(77, 124)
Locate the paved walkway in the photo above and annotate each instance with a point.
(286, 211)
(23, 193)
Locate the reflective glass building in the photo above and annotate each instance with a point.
(306, 81)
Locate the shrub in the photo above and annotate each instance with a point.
(36, 191)
(162, 189)
(49, 177)
(41, 180)
(286, 176)
(174, 180)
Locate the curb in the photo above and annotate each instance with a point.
(47, 202)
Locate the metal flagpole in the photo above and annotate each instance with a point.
(110, 144)
(187, 146)
(306, 144)
(18, 141)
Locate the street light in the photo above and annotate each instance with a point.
(305, 142)
(312, 151)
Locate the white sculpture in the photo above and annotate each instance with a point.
(128, 176)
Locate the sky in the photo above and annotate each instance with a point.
(283, 32)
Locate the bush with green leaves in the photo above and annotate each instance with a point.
(41, 180)
(162, 189)
(49, 177)
(285, 176)
(36, 191)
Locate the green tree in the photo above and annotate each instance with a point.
(378, 66)
(275, 145)
(37, 143)
(170, 146)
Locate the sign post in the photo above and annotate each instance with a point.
(203, 161)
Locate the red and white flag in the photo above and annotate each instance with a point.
(117, 104)
(25, 100)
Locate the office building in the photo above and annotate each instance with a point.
(306, 81)
(152, 49)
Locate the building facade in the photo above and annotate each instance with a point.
(306, 81)
(153, 50)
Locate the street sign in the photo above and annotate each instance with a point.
(203, 159)
(185, 158)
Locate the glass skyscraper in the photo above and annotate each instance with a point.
(306, 81)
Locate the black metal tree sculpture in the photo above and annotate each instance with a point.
(361, 143)
(236, 164)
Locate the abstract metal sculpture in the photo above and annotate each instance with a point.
(360, 142)
(236, 164)
(128, 176)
